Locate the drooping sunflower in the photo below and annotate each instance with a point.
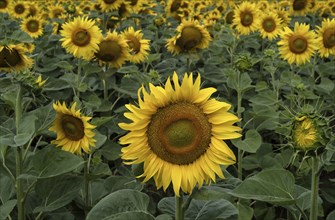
(297, 46)
(109, 5)
(18, 9)
(190, 37)
(13, 58)
(300, 7)
(4, 5)
(246, 18)
(269, 25)
(74, 132)
(138, 46)
(33, 26)
(172, 7)
(81, 37)
(113, 50)
(326, 38)
(304, 133)
(177, 132)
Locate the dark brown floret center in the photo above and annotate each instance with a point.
(32, 26)
(73, 127)
(299, 5)
(246, 18)
(269, 25)
(109, 51)
(9, 58)
(81, 37)
(190, 37)
(329, 38)
(298, 44)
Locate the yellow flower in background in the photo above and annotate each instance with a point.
(4, 5)
(113, 50)
(177, 131)
(269, 25)
(74, 132)
(56, 11)
(18, 9)
(298, 45)
(33, 26)
(109, 5)
(300, 7)
(326, 38)
(81, 37)
(246, 18)
(190, 37)
(13, 58)
(39, 81)
(304, 133)
(138, 46)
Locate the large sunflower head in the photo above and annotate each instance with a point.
(18, 9)
(109, 5)
(74, 132)
(138, 46)
(246, 18)
(190, 37)
(326, 38)
(177, 131)
(81, 37)
(33, 26)
(4, 5)
(269, 25)
(298, 45)
(300, 7)
(113, 50)
(13, 58)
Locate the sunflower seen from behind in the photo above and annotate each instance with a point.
(298, 45)
(33, 26)
(81, 37)
(178, 133)
(190, 37)
(113, 50)
(246, 17)
(138, 46)
(74, 132)
(13, 58)
(326, 38)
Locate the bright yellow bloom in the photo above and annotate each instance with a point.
(246, 18)
(304, 133)
(33, 26)
(109, 5)
(269, 25)
(177, 131)
(39, 81)
(326, 38)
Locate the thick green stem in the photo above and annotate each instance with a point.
(179, 208)
(314, 189)
(239, 106)
(18, 182)
(87, 183)
(105, 85)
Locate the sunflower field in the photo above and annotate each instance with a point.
(167, 109)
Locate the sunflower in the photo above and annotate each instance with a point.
(300, 7)
(56, 11)
(33, 26)
(304, 133)
(284, 16)
(113, 50)
(269, 25)
(190, 36)
(138, 46)
(172, 7)
(109, 5)
(73, 130)
(13, 58)
(4, 5)
(246, 18)
(39, 81)
(178, 132)
(326, 38)
(81, 37)
(18, 9)
(135, 5)
(299, 45)
(34, 9)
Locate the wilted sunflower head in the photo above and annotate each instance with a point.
(14, 58)
(178, 132)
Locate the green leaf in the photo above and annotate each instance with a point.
(275, 186)
(217, 210)
(331, 215)
(56, 192)
(98, 121)
(211, 193)
(64, 65)
(111, 150)
(167, 205)
(51, 161)
(243, 84)
(326, 86)
(245, 211)
(115, 183)
(45, 116)
(125, 202)
(100, 138)
(131, 215)
(7, 208)
(251, 143)
(7, 189)
(26, 130)
(164, 217)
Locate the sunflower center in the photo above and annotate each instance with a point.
(9, 58)
(190, 37)
(246, 18)
(73, 127)
(329, 38)
(269, 25)
(179, 133)
(298, 44)
(3, 3)
(134, 44)
(19, 9)
(109, 1)
(229, 17)
(32, 26)
(108, 51)
(81, 37)
(299, 5)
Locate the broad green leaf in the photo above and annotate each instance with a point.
(56, 192)
(251, 143)
(98, 121)
(52, 161)
(167, 205)
(245, 211)
(122, 202)
(100, 138)
(115, 183)
(164, 217)
(218, 210)
(140, 215)
(45, 116)
(331, 215)
(111, 150)
(6, 208)
(275, 186)
(326, 86)
(211, 193)
(7, 190)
